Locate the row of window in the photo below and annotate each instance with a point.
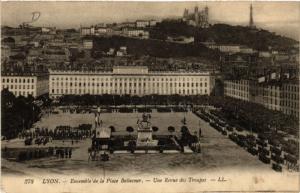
(289, 104)
(269, 93)
(23, 93)
(18, 86)
(293, 88)
(130, 91)
(240, 86)
(269, 101)
(132, 84)
(240, 95)
(130, 79)
(291, 96)
(18, 80)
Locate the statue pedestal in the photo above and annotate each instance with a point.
(144, 137)
(144, 134)
(149, 143)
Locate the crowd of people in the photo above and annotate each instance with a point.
(269, 150)
(38, 153)
(44, 135)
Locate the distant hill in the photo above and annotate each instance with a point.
(225, 34)
(155, 48)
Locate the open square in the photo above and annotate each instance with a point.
(218, 152)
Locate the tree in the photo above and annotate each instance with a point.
(131, 146)
(171, 129)
(129, 129)
(112, 128)
(155, 129)
(184, 129)
(17, 114)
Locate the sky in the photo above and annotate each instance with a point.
(280, 17)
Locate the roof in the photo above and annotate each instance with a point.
(130, 67)
(142, 20)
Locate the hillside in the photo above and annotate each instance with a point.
(222, 33)
(155, 48)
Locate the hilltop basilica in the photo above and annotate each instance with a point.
(198, 18)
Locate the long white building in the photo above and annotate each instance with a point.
(131, 80)
(26, 84)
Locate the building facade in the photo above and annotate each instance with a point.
(275, 95)
(142, 23)
(238, 89)
(271, 96)
(225, 48)
(131, 80)
(87, 43)
(290, 98)
(131, 32)
(26, 84)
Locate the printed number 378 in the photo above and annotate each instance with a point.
(28, 181)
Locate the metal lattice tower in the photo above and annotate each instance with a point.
(251, 22)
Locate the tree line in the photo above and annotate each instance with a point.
(107, 99)
(246, 114)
